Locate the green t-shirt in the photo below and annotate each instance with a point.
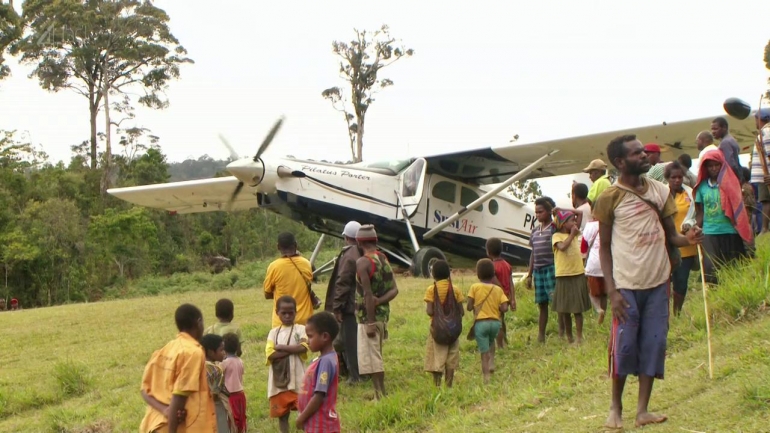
(715, 222)
(221, 328)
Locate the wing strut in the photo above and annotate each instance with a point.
(484, 198)
(415, 245)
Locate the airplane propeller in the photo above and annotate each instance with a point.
(234, 156)
(262, 148)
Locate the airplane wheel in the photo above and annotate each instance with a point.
(424, 259)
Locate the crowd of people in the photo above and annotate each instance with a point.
(656, 213)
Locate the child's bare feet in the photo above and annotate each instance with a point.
(601, 317)
(614, 420)
(642, 419)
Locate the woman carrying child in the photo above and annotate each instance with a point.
(214, 346)
(442, 359)
(684, 220)
(571, 294)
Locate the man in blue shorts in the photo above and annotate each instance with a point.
(635, 220)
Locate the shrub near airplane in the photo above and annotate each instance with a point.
(423, 207)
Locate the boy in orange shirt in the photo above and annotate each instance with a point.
(174, 381)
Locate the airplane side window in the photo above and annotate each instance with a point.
(493, 207)
(445, 191)
(468, 196)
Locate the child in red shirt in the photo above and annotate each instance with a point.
(504, 275)
(318, 397)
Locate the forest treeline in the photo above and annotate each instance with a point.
(63, 240)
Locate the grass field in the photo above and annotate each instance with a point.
(77, 368)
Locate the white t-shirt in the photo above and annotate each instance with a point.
(296, 362)
(591, 236)
(587, 216)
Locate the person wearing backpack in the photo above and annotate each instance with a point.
(442, 354)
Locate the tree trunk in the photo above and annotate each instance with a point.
(94, 109)
(108, 141)
(360, 141)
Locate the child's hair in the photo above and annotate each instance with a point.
(231, 342)
(440, 270)
(325, 322)
(670, 167)
(286, 241)
(211, 342)
(485, 269)
(224, 309)
(580, 190)
(285, 299)
(186, 316)
(746, 175)
(547, 203)
(494, 247)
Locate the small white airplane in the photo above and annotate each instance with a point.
(423, 207)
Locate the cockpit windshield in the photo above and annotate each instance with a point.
(395, 165)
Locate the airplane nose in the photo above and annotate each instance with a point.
(246, 170)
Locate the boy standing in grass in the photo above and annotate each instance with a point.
(376, 287)
(487, 301)
(233, 369)
(286, 352)
(318, 397)
(503, 278)
(174, 381)
(224, 310)
(441, 358)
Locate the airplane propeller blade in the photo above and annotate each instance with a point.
(235, 194)
(268, 139)
(234, 156)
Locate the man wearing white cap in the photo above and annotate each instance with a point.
(341, 300)
(597, 171)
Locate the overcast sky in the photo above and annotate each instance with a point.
(482, 72)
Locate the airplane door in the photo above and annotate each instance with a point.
(412, 184)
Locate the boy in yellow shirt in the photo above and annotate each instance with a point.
(441, 358)
(174, 381)
(487, 301)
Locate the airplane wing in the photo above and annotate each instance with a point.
(495, 164)
(191, 196)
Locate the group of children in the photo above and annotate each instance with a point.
(196, 380)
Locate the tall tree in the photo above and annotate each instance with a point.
(362, 59)
(101, 47)
(10, 30)
(525, 190)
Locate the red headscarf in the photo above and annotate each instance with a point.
(730, 193)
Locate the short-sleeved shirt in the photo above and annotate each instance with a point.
(597, 188)
(491, 306)
(233, 368)
(381, 282)
(290, 335)
(322, 376)
(443, 289)
(503, 272)
(585, 208)
(715, 222)
(540, 241)
(657, 172)
(757, 173)
(179, 368)
(290, 276)
(222, 328)
(568, 262)
(591, 236)
(639, 256)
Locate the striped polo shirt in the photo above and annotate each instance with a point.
(540, 241)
